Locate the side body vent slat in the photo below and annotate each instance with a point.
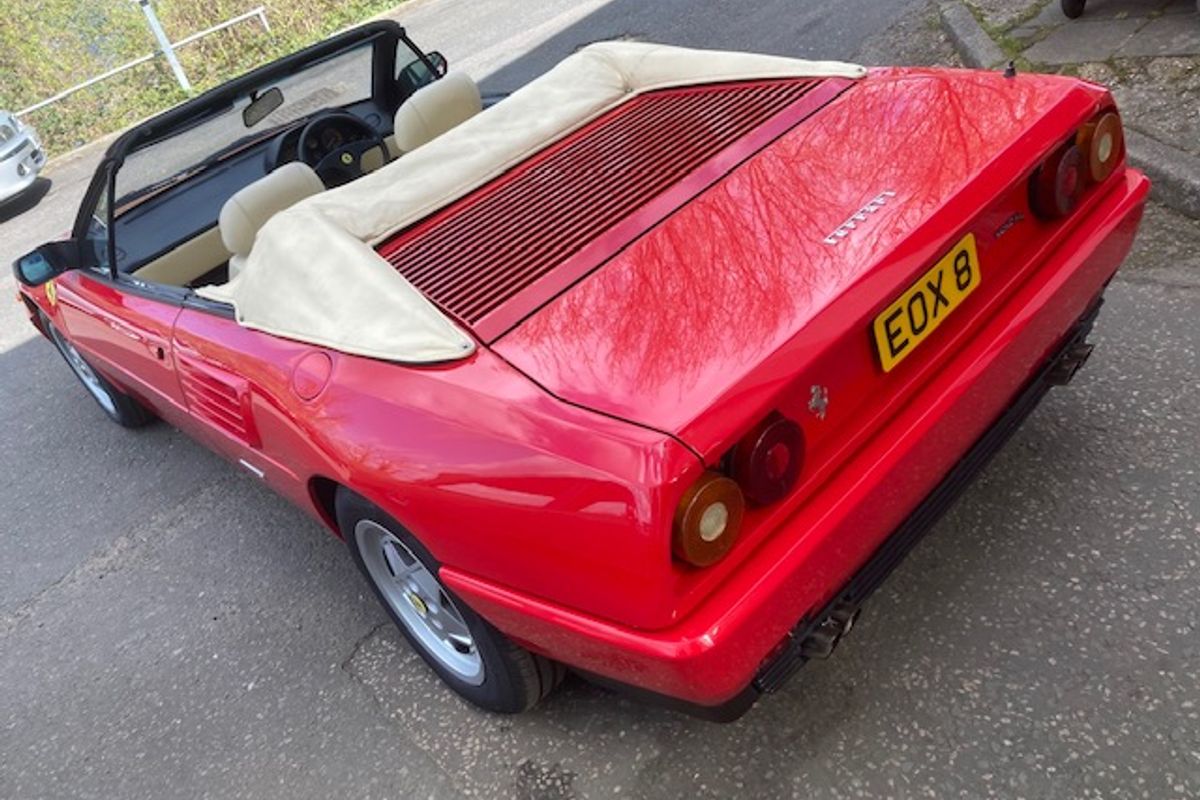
(505, 240)
(219, 397)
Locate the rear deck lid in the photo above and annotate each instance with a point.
(654, 266)
(681, 322)
(499, 254)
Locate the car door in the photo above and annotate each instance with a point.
(125, 333)
(122, 325)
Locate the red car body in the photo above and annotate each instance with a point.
(544, 470)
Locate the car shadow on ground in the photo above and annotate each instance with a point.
(25, 201)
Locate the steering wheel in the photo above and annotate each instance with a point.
(344, 163)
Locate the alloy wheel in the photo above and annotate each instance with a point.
(419, 600)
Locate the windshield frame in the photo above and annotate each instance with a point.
(385, 35)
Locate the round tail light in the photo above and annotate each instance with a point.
(708, 520)
(1102, 142)
(767, 461)
(1056, 186)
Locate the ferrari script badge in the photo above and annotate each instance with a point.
(858, 217)
(818, 401)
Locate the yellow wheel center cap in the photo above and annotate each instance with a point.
(416, 602)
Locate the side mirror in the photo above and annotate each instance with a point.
(440, 64)
(416, 72)
(48, 261)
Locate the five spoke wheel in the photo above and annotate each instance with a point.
(417, 597)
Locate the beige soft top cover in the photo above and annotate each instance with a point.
(313, 274)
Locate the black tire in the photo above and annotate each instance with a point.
(513, 679)
(1073, 8)
(121, 408)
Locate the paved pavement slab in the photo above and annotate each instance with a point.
(1165, 36)
(1084, 40)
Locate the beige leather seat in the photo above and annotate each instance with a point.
(247, 211)
(434, 109)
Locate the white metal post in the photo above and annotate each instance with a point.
(165, 44)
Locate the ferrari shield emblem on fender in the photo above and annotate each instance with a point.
(52, 293)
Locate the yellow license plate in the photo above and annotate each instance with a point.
(917, 313)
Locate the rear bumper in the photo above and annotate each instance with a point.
(818, 633)
(744, 639)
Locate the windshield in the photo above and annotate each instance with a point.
(170, 191)
(334, 82)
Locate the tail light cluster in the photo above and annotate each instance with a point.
(760, 469)
(1057, 185)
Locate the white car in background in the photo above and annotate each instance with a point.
(21, 156)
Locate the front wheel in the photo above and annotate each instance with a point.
(119, 406)
(471, 656)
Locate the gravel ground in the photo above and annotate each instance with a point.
(1160, 96)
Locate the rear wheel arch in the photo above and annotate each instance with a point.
(509, 679)
(322, 492)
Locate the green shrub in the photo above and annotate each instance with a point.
(51, 45)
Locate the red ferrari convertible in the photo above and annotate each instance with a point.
(652, 370)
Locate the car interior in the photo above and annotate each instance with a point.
(233, 194)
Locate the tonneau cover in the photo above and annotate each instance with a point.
(314, 275)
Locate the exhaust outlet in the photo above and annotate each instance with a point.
(824, 638)
(1072, 359)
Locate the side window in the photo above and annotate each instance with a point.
(97, 231)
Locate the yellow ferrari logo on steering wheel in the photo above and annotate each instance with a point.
(347, 159)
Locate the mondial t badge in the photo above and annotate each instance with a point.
(859, 217)
(818, 401)
(1007, 225)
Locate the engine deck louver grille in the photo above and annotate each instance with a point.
(482, 251)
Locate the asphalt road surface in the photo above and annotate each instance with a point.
(169, 628)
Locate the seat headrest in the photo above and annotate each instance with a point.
(434, 109)
(247, 211)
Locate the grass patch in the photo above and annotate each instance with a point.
(1011, 47)
(48, 46)
(1001, 33)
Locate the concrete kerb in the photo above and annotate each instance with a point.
(1175, 173)
(974, 45)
